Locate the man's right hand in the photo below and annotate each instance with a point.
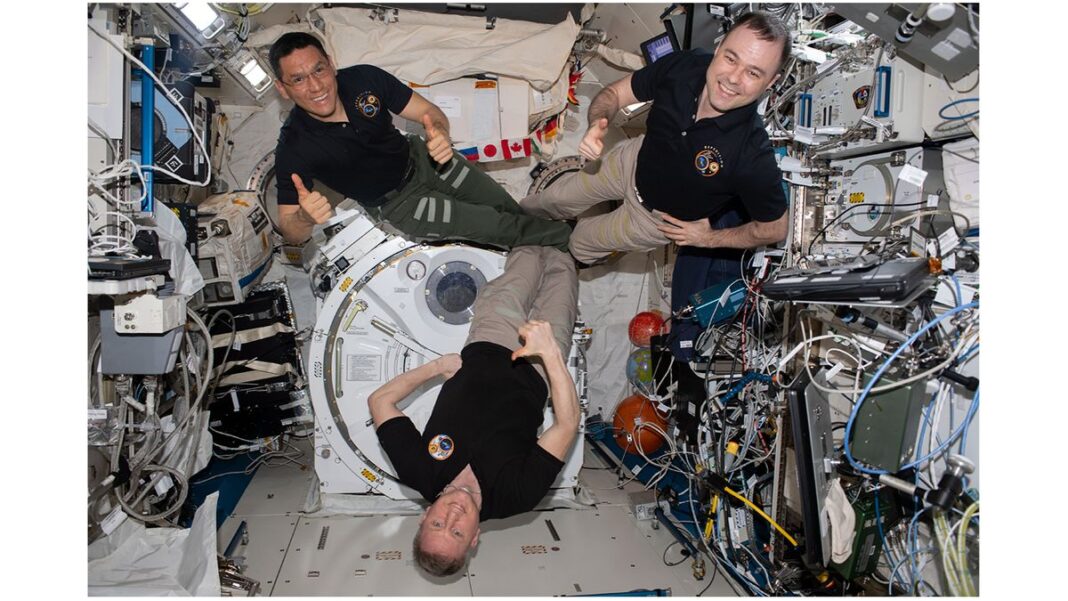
(537, 339)
(592, 144)
(315, 205)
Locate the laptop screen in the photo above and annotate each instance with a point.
(656, 48)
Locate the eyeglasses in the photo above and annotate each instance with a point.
(320, 73)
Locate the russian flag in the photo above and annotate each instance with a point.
(470, 154)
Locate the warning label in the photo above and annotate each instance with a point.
(363, 368)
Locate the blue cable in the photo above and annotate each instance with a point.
(748, 583)
(924, 424)
(746, 379)
(942, 115)
(968, 423)
(967, 419)
(949, 441)
(897, 566)
(960, 294)
(879, 373)
(967, 353)
(923, 435)
(879, 522)
(913, 535)
(952, 417)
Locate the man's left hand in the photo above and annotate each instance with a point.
(438, 144)
(449, 364)
(685, 233)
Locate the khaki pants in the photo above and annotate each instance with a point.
(631, 227)
(538, 283)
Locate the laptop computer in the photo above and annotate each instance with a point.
(864, 279)
(123, 268)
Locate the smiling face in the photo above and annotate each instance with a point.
(309, 79)
(743, 68)
(450, 526)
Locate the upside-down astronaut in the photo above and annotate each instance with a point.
(479, 456)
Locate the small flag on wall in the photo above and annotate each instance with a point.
(516, 148)
(502, 150)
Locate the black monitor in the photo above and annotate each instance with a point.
(810, 417)
(662, 45)
(674, 378)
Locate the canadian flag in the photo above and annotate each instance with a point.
(504, 150)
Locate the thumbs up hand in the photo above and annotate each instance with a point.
(592, 144)
(315, 205)
(538, 341)
(438, 144)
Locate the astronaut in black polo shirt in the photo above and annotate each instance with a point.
(705, 150)
(479, 456)
(341, 133)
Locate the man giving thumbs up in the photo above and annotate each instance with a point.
(340, 132)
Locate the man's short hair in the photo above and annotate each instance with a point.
(436, 563)
(767, 27)
(285, 45)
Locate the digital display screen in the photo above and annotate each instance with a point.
(657, 48)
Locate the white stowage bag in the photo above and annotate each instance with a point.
(620, 58)
(172, 245)
(427, 48)
(236, 248)
(173, 562)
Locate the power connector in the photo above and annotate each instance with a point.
(644, 505)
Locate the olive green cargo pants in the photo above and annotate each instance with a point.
(463, 203)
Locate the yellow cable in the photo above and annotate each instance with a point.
(711, 516)
(251, 10)
(759, 511)
(962, 557)
(949, 565)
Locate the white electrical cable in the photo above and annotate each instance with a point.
(875, 389)
(934, 420)
(942, 398)
(194, 407)
(925, 212)
(664, 462)
(100, 180)
(117, 243)
(250, 10)
(192, 128)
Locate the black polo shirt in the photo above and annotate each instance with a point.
(487, 415)
(692, 170)
(362, 159)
